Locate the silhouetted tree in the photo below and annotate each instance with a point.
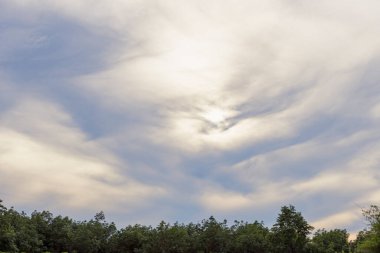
(290, 232)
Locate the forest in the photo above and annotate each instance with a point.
(41, 231)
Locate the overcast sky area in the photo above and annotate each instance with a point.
(178, 110)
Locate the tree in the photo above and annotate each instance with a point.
(169, 239)
(26, 233)
(333, 241)
(42, 221)
(290, 232)
(93, 236)
(17, 232)
(7, 232)
(249, 238)
(130, 239)
(61, 234)
(214, 235)
(194, 232)
(370, 239)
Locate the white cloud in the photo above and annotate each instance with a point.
(44, 154)
(190, 56)
(224, 201)
(183, 57)
(338, 220)
(375, 111)
(337, 182)
(339, 188)
(282, 83)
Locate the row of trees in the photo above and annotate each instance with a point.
(42, 232)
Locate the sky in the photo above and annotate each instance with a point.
(178, 110)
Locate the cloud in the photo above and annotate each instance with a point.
(237, 107)
(270, 72)
(337, 220)
(224, 201)
(375, 111)
(330, 171)
(44, 155)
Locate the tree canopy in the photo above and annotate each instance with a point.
(368, 240)
(291, 233)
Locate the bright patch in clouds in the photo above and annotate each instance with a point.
(179, 110)
(214, 115)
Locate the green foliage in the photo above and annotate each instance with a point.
(92, 236)
(169, 239)
(42, 232)
(333, 241)
(250, 238)
(290, 232)
(213, 235)
(17, 232)
(42, 222)
(369, 240)
(130, 239)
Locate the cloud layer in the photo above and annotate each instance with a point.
(191, 108)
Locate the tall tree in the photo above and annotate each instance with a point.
(370, 239)
(290, 232)
(93, 236)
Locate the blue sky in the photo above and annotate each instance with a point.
(178, 110)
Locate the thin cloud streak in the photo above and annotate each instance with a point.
(43, 153)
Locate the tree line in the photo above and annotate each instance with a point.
(291, 233)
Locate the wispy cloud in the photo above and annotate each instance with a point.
(44, 155)
(237, 107)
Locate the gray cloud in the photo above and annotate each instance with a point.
(45, 154)
(260, 104)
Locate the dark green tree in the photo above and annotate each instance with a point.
(42, 232)
(195, 236)
(170, 239)
(27, 238)
(332, 241)
(61, 235)
(42, 221)
(214, 236)
(369, 240)
(249, 238)
(17, 232)
(290, 232)
(93, 236)
(131, 239)
(7, 231)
